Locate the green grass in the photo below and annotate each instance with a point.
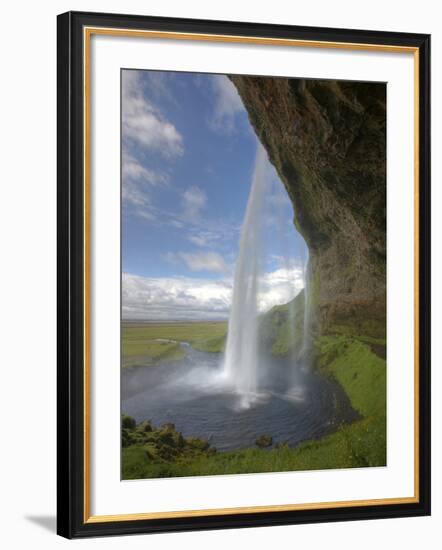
(363, 376)
(359, 371)
(148, 352)
(143, 345)
(335, 451)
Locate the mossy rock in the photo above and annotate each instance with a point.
(198, 444)
(168, 427)
(128, 422)
(145, 426)
(264, 441)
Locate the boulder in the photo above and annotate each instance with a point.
(264, 441)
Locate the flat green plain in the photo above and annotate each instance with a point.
(150, 343)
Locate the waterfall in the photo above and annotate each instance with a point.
(241, 356)
(306, 334)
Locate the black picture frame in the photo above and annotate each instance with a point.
(72, 521)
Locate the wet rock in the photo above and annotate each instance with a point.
(264, 441)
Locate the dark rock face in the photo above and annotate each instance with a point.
(327, 141)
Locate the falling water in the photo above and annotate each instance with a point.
(306, 335)
(241, 358)
(289, 264)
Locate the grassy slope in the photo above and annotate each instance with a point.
(141, 345)
(279, 325)
(361, 373)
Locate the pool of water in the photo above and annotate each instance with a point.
(292, 404)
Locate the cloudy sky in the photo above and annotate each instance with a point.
(188, 152)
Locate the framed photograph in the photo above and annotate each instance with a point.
(243, 274)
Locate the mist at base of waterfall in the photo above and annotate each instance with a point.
(194, 394)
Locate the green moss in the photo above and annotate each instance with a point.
(365, 328)
(371, 340)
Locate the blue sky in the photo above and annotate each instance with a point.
(188, 153)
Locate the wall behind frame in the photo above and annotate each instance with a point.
(28, 281)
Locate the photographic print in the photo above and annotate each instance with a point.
(253, 274)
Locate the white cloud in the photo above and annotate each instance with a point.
(196, 298)
(159, 85)
(130, 194)
(199, 240)
(147, 213)
(203, 238)
(176, 223)
(136, 180)
(193, 200)
(133, 170)
(144, 123)
(228, 104)
(279, 286)
(209, 261)
(174, 298)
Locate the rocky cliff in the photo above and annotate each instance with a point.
(327, 141)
